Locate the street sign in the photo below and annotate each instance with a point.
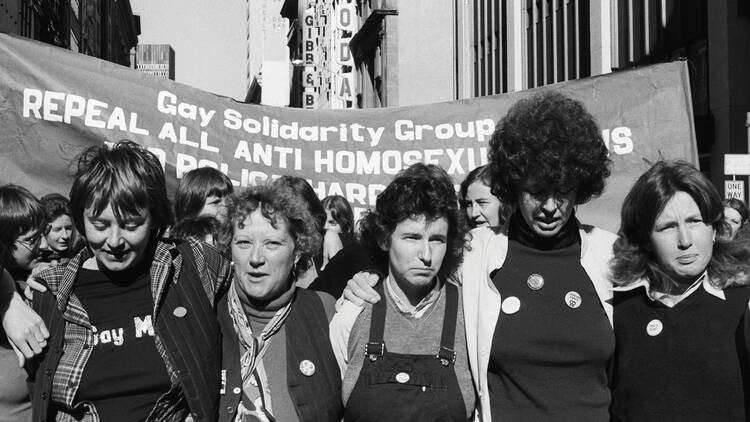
(734, 189)
(737, 164)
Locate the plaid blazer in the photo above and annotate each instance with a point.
(56, 374)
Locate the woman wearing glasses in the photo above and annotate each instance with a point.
(22, 223)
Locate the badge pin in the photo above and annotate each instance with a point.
(223, 381)
(307, 368)
(654, 327)
(179, 312)
(402, 377)
(535, 282)
(573, 299)
(237, 390)
(511, 305)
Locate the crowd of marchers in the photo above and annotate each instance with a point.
(267, 304)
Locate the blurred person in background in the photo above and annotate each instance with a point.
(735, 215)
(60, 235)
(202, 192)
(483, 209)
(22, 224)
(339, 226)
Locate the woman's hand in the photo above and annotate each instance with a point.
(359, 289)
(32, 284)
(25, 329)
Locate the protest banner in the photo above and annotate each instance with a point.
(54, 103)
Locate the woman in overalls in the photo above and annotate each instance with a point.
(404, 358)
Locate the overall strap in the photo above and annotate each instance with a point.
(446, 353)
(375, 346)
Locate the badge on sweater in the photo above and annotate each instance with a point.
(535, 282)
(654, 327)
(511, 305)
(573, 299)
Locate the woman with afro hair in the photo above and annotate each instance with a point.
(538, 321)
(536, 291)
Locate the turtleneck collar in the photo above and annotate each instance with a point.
(263, 310)
(520, 232)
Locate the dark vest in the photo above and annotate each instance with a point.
(316, 398)
(192, 342)
(686, 363)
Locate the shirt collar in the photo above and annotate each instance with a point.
(406, 308)
(703, 280)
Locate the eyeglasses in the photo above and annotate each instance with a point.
(32, 244)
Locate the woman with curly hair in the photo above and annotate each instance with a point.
(681, 308)
(536, 293)
(415, 366)
(280, 365)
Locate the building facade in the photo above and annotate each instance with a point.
(268, 68)
(106, 29)
(156, 60)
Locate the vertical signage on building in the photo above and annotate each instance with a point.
(310, 58)
(344, 77)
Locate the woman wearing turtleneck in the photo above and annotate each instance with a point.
(535, 293)
(277, 362)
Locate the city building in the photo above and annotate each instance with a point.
(376, 53)
(512, 45)
(106, 29)
(155, 59)
(267, 55)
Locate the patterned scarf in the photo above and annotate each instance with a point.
(253, 376)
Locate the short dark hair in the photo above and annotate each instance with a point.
(197, 228)
(341, 211)
(55, 205)
(644, 203)
(125, 175)
(738, 206)
(306, 192)
(197, 185)
(276, 201)
(421, 189)
(549, 143)
(20, 212)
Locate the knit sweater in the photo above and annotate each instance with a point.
(685, 363)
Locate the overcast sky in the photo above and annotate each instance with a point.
(208, 39)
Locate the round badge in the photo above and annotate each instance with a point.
(573, 299)
(535, 282)
(179, 312)
(307, 368)
(511, 305)
(654, 327)
(402, 377)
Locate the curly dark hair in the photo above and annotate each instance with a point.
(547, 143)
(415, 191)
(634, 258)
(276, 201)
